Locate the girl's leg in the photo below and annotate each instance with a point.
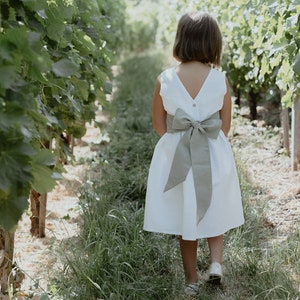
(189, 259)
(216, 248)
(214, 273)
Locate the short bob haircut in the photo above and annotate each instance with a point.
(198, 38)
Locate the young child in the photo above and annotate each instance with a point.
(193, 189)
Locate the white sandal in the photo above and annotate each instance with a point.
(191, 289)
(214, 274)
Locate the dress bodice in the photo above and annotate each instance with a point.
(208, 100)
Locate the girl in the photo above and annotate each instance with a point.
(193, 189)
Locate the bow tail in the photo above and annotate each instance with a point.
(202, 174)
(180, 170)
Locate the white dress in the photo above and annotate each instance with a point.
(175, 211)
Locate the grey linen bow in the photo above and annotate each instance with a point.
(193, 151)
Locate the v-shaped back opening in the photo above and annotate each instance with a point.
(184, 87)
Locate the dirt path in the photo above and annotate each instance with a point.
(269, 168)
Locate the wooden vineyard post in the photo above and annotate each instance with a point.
(252, 101)
(286, 129)
(296, 134)
(6, 258)
(42, 219)
(38, 204)
(35, 209)
(71, 141)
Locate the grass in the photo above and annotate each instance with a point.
(113, 258)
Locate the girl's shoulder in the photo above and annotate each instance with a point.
(168, 71)
(219, 72)
(219, 75)
(166, 79)
(166, 75)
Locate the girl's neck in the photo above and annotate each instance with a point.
(195, 64)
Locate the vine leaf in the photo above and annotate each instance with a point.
(296, 66)
(64, 68)
(14, 160)
(7, 76)
(12, 207)
(44, 178)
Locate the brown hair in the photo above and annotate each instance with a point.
(198, 38)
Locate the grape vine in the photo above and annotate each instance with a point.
(54, 63)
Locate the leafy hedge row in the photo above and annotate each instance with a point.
(54, 62)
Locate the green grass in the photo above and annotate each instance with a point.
(113, 258)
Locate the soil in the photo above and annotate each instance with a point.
(256, 144)
(260, 147)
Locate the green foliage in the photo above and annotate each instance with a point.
(142, 25)
(44, 179)
(14, 176)
(261, 51)
(54, 62)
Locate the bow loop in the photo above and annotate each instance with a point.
(193, 152)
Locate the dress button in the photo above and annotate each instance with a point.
(194, 104)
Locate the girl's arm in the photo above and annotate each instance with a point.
(158, 112)
(225, 112)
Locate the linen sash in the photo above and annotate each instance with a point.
(193, 152)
